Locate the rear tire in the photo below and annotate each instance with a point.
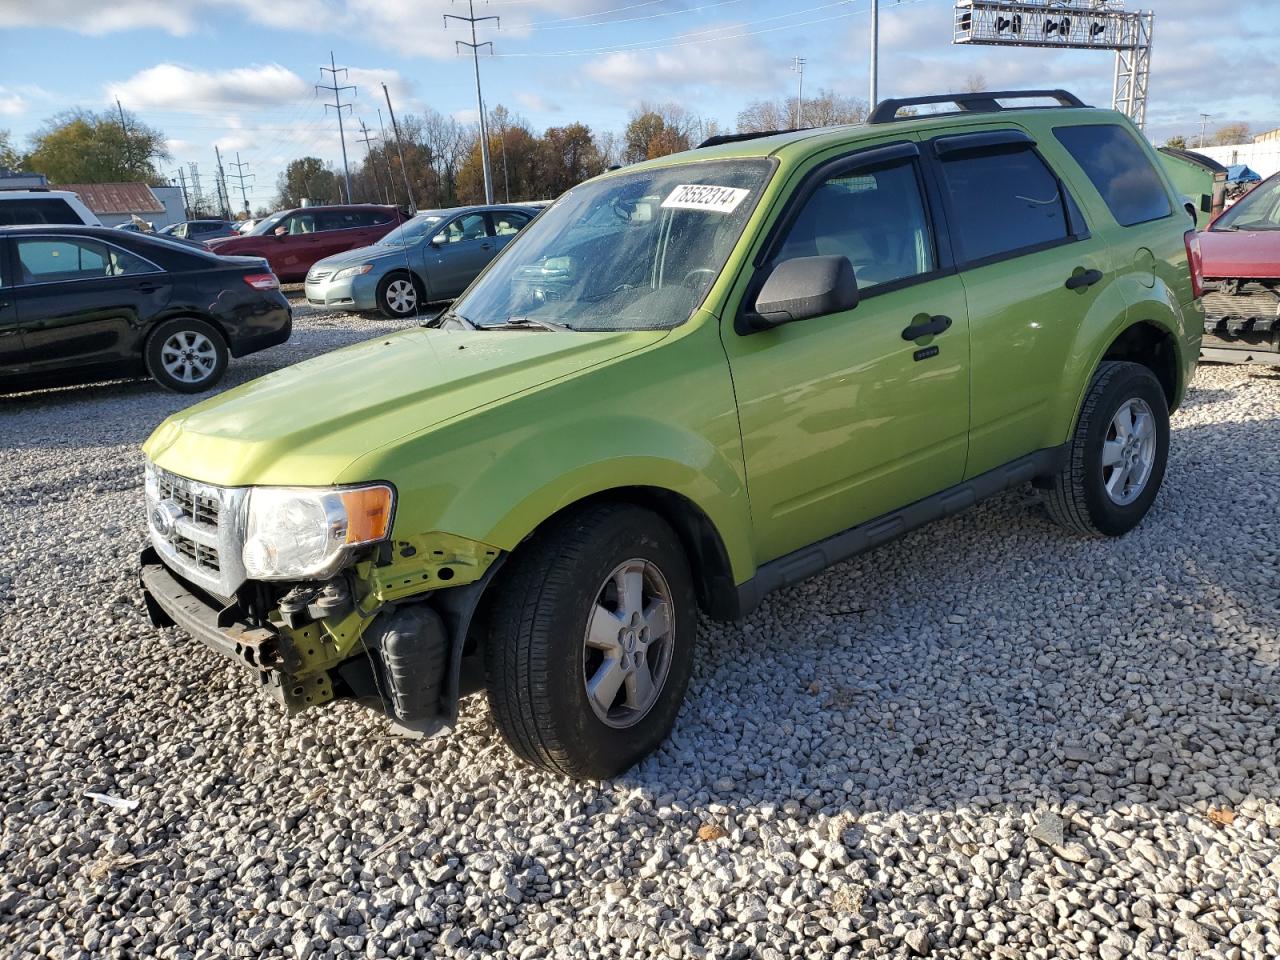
(1117, 455)
(591, 641)
(186, 355)
(398, 296)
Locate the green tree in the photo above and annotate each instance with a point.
(81, 146)
(307, 178)
(1177, 143)
(10, 158)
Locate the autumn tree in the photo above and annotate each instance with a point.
(1232, 134)
(81, 146)
(658, 130)
(569, 156)
(1178, 142)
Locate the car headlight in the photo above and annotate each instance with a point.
(352, 271)
(296, 533)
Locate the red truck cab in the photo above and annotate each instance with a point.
(292, 240)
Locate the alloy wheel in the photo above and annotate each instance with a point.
(1129, 451)
(189, 356)
(628, 644)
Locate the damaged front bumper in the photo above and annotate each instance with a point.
(402, 658)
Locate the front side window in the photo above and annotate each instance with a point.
(412, 231)
(1119, 169)
(1259, 209)
(1002, 201)
(874, 217)
(296, 225)
(470, 226)
(630, 251)
(50, 261)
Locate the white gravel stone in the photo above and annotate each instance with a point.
(880, 745)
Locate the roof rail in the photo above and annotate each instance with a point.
(738, 137)
(886, 111)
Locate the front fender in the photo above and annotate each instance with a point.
(662, 417)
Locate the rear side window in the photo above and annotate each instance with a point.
(1120, 170)
(28, 211)
(341, 219)
(375, 218)
(1003, 201)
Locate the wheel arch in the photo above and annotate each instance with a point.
(1154, 347)
(179, 313)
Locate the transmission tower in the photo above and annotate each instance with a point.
(1071, 25)
(240, 177)
(338, 106)
(475, 55)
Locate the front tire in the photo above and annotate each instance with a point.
(591, 641)
(398, 296)
(1117, 455)
(186, 355)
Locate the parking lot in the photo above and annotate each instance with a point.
(985, 739)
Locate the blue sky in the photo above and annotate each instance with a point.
(240, 73)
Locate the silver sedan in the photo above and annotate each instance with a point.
(431, 257)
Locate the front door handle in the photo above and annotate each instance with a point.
(147, 287)
(926, 326)
(1084, 279)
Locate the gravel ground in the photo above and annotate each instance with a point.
(986, 740)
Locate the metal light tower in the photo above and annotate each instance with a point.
(1071, 25)
(797, 66)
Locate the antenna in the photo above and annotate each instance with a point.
(336, 89)
(475, 54)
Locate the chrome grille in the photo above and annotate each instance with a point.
(196, 528)
(315, 276)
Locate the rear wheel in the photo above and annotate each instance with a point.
(397, 296)
(1117, 454)
(186, 355)
(591, 643)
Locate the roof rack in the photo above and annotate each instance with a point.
(739, 137)
(886, 111)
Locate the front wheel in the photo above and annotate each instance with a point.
(591, 642)
(186, 355)
(1117, 455)
(397, 296)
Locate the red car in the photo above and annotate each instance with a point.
(292, 240)
(1243, 245)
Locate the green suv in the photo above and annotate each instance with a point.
(689, 382)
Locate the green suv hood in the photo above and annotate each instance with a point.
(304, 424)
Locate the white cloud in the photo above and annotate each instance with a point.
(176, 17)
(12, 103)
(641, 73)
(536, 102)
(171, 86)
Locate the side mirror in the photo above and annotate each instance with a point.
(802, 288)
(439, 240)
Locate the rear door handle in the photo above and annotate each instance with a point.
(1080, 281)
(148, 287)
(926, 327)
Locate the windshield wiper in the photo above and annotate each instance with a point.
(448, 315)
(517, 322)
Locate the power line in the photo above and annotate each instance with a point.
(338, 106)
(559, 24)
(475, 55)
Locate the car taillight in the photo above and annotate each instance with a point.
(262, 281)
(1195, 263)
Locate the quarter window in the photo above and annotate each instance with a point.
(874, 217)
(1120, 169)
(1003, 201)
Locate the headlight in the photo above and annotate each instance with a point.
(295, 533)
(352, 271)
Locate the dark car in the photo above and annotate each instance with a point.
(292, 240)
(89, 303)
(203, 229)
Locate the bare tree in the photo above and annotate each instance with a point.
(824, 109)
(1232, 134)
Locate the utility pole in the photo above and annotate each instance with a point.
(797, 66)
(124, 129)
(875, 53)
(241, 176)
(400, 150)
(336, 89)
(386, 158)
(186, 204)
(367, 140)
(475, 55)
(222, 186)
(1204, 122)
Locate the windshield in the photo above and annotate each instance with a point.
(628, 252)
(268, 225)
(411, 231)
(1259, 209)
